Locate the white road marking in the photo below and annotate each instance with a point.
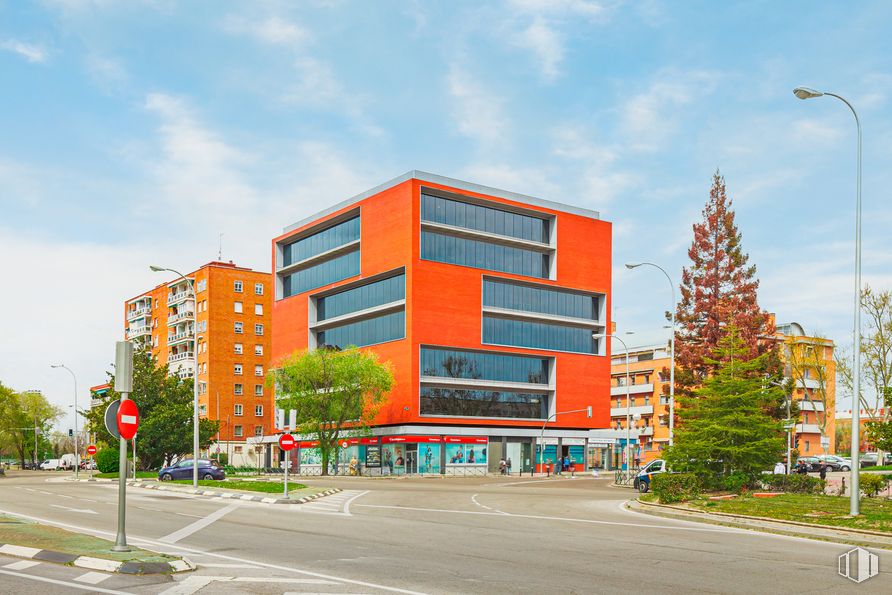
(350, 501)
(199, 524)
(92, 578)
(81, 510)
(92, 588)
(196, 583)
(21, 565)
(474, 500)
(228, 566)
(552, 518)
(64, 496)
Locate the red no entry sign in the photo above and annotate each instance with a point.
(287, 442)
(128, 419)
(91, 450)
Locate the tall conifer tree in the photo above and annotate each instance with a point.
(718, 290)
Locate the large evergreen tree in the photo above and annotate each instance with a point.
(729, 425)
(718, 290)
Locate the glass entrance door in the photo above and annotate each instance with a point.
(411, 459)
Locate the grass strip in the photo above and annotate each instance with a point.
(831, 511)
(267, 487)
(139, 475)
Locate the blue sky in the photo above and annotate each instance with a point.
(124, 123)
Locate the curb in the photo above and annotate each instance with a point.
(100, 564)
(818, 532)
(234, 495)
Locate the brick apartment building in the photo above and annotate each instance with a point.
(227, 322)
(484, 301)
(807, 360)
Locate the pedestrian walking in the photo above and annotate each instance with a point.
(558, 463)
(502, 466)
(822, 470)
(780, 468)
(508, 465)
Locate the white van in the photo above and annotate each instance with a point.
(68, 461)
(51, 465)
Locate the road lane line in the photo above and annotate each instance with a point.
(199, 524)
(52, 581)
(203, 565)
(21, 565)
(189, 585)
(92, 578)
(350, 501)
(81, 510)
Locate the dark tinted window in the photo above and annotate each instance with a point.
(336, 269)
(452, 363)
(487, 219)
(360, 298)
(483, 255)
(537, 335)
(323, 241)
(483, 403)
(365, 332)
(513, 296)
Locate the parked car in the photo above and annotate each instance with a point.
(869, 459)
(642, 480)
(813, 463)
(835, 463)
(87, 464)
(51, 465)
(207, 469)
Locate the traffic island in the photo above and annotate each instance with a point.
(267, 492)
(811, 528)
(26, 539)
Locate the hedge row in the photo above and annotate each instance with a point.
(675, 487)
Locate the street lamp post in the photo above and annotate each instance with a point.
(628, 399)
(548, 419)
(77, 452)
(633, 265)
(191, 284)
(855, 502)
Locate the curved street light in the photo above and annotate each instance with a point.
(77, 452)
(855, 503)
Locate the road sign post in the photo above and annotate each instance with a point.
(286, 443)
(123, 385)
(91, 450)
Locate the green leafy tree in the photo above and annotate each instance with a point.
(165, 413)
(22, 413)
(729, 425)
(334, 392)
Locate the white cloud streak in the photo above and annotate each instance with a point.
(30, 52)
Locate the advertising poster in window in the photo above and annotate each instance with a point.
(310, 456)
(466, 454)
(373, 456)
(428, 458)
(394, 458)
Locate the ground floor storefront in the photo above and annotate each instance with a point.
(444, 450)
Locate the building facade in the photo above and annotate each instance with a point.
(484, 301)
(226, 321)
(808, 362)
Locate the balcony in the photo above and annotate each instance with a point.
(810, 406)
(138, 331)
(639, 410)
(180, 337)
(139, 313)
(634, 389)
(181, 296)
(646, 431)
(808, 383)
(807, 429)
(180, 317)
(179, 357)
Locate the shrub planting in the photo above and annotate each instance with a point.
(675, 487)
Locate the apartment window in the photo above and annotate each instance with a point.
(258, 370)
(387, 326)
(237, 431)
(202, 409)
(258, 390)
(237, 410)
(155, 341)
(239, 389)
(202, 388)
(258, 309)
(237, 369)
(807, 444)
(238, 287)
(204, 325)
(238, 348)
(238, 328)
(258, 350)
(237, 450)
(201, 285)
(238, 307)
(323, 241)
(258, 329)
(258, 430)
(316, 272)
(258, 289)
(258, 410)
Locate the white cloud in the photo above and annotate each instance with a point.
(30, 52)
(108, 72)
(273, 30)
(477, 113)
(547, 45)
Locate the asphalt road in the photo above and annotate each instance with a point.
(455, 535)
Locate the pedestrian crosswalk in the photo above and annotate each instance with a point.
(338, 503)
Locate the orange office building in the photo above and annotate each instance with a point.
(227, 321)
(484, 301)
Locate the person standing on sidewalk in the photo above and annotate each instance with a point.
(822, 470)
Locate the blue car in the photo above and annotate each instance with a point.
(207, 469)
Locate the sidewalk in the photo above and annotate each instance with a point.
(873, 539)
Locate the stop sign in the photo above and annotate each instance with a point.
(128, 419)
(91, 450)
(287, 442)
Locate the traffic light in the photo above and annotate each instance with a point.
(70, 433)
(796, 441)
